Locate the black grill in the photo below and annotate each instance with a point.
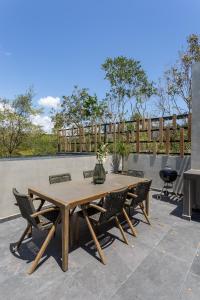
(168, 175)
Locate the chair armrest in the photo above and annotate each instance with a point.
(132, 195)
(44, 211)
(101, 209)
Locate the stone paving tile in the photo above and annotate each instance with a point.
(181, 241)
(191, 288)
(104, 280)
(195, 268)
(159, 276)
(154, 266)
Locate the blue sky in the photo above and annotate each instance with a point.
(53, 45)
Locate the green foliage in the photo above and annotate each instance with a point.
(178, 77)
(123, 148)
(15, 121)
(102, 152)
(79, 109)
(127, 81)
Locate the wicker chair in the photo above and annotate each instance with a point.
(137, 196)
(46, 219)
(60, 178)
(135, 173)
(53, 179)
(112, 207)
(88, 174)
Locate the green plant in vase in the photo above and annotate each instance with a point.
(123, 149)
(99, 175)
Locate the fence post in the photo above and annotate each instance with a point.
(149, 130)
(65, 140)
(160, 130)
(182, 142)
(83, 133)
(174, 125)
(89, 143)
(167, 146)
(138, 135)
(114, 136)
(58, 141)
(80, 140)
(105, 133)
(119, 130)
(75, 146)
(95, 138)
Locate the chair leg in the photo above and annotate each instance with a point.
(134, 232)
(144, 213)
(101, 254)
(121, 230)
(42, 249)
(23, 236)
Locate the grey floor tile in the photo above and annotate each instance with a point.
(158, 277)
(195, 268)
(182, 241)
(104, 280)
(191, 288)
(155, 268)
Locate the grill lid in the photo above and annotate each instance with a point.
(168, 174)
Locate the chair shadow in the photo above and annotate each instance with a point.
(30, 247)
(171, 198)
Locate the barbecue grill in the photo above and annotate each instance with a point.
(168, 175)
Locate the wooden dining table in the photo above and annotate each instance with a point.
(67, 195)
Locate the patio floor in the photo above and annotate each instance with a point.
(163, 262)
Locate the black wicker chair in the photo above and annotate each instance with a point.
(135, 173)
(46, 219)
(137, 196)
(88, 174)
(112, 207)
(64, 178)
(60, 178)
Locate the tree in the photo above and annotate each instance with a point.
(15, 121)
(79, 109)
(127, 81)
(178, 77)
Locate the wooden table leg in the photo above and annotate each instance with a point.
(65, 238)
(147, 204)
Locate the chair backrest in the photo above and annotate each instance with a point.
(141, 191)
(26, 207)
(60, 178)
(113, 203)
(88, 174)
(135, 173)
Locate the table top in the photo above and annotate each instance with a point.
(73, 193)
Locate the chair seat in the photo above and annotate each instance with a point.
(93, 214)
(48, 219)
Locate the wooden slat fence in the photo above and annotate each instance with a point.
(165, 135)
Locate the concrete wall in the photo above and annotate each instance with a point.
(195, 155)
(152, 164)
(21, 173)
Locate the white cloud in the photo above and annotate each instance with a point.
(6, 106)
(43, 121)
(49, 101)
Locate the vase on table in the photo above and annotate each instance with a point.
(99, 175)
